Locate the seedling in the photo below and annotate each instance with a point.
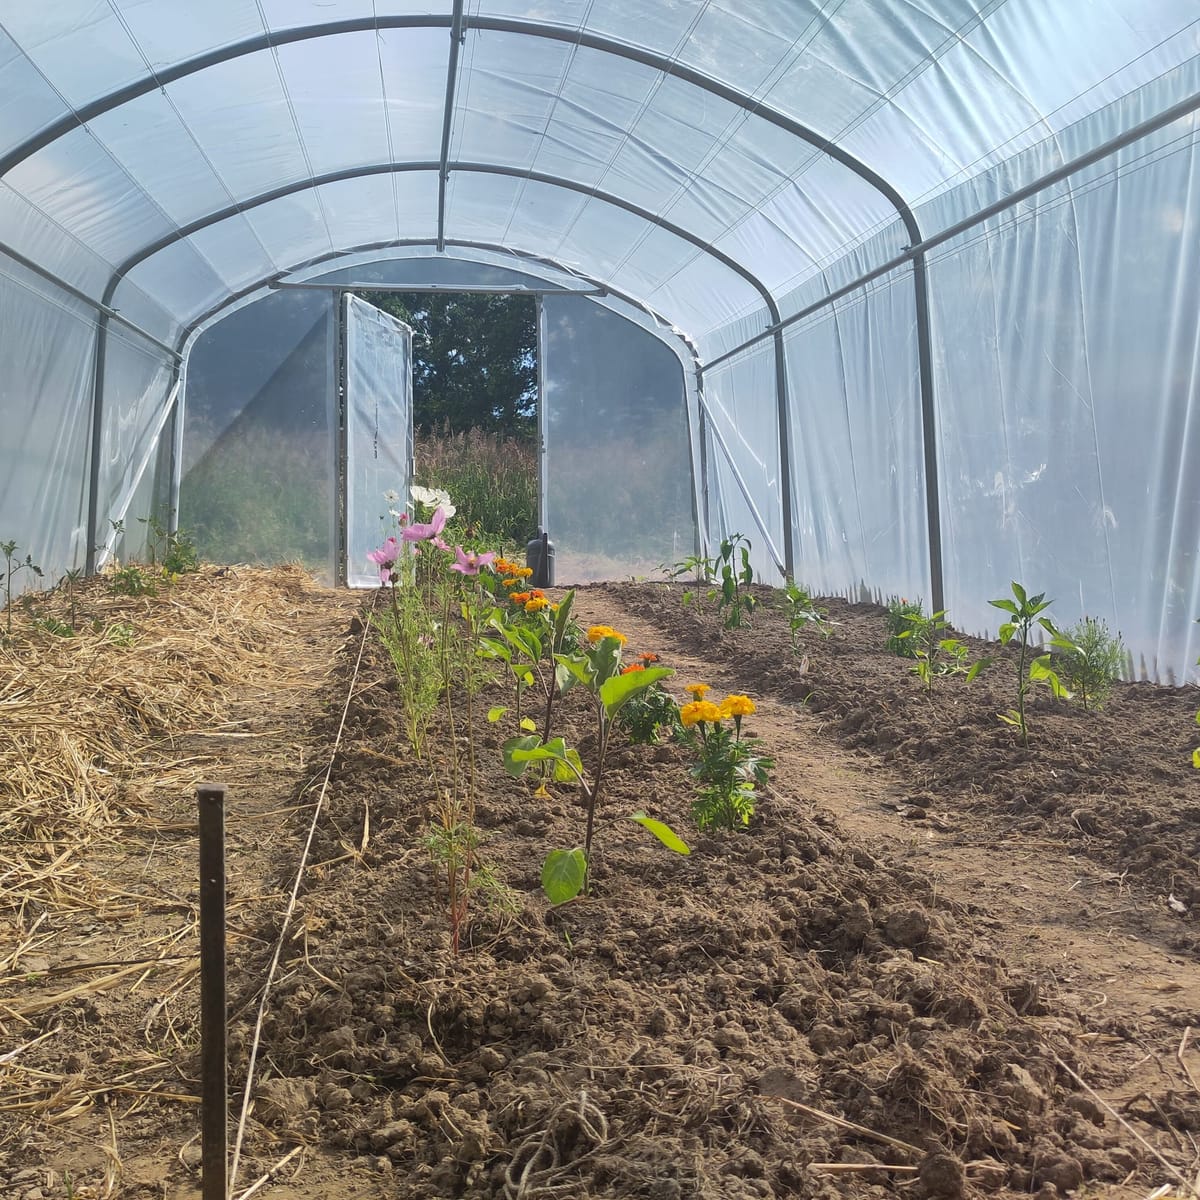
(567, 873)
(938, 655)
(899, 613)
(9, 549)
(727, 576)
(803, 614)
(1025, 610)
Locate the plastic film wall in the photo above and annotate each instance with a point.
(741, 438)
(1069, 415)
(259, 450)
(46, 375)
(857, 456)
(617, 481)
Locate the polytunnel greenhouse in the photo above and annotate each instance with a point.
(906, 293)
(825, 825)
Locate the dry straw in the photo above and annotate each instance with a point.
(79, 715)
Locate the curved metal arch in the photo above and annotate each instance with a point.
(371, 169)
(691, 351)
(538, 29)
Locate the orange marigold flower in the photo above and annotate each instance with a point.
(536, 604)
(520, 597)
(649, 657)
(511, 583)
(537, 593)
(698, 711)
(737, 706)
(597, 633)
(629, 670)
(698, 690)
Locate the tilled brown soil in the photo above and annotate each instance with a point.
(790, 1010)
(935, 965)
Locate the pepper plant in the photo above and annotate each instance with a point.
(938, 655)
(1025, 611)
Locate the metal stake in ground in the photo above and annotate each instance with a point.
(214, 1083)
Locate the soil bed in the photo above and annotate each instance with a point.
(757, 1019)
(936, 964)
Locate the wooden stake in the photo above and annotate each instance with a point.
(214, 1081)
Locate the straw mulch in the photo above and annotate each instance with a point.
(103, 737)
(88, 724)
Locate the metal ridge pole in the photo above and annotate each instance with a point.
(456, 40)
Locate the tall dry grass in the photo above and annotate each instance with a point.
(492, 479)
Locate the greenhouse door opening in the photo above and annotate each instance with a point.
(297, 420)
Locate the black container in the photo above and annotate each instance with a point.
(539, 557)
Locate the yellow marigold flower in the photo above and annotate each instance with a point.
(698, 690)
(737, 706)
(536, 604)
(597, 633)
(511, 583)
(697, 711)
(524, 572)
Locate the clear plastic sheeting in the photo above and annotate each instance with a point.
(741, 433)
(379, 431)
(858, 476)
(1071, 430)
(617, 494)
(45, 414)
(258, 466)
(136, 404)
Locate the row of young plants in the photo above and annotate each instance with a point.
(170, 554)
(1081, 662)
(458, 619)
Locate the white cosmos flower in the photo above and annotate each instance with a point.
(433, 498)
(391, 496)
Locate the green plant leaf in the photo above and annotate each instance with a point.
(663, 832)
(619, 689)
(1020, 594)
(605, 660)
(1196, 759)
(494, 714)
(1040, 671)
(977, 667)
(562, 616)
(568, 769)
(529, 725)
(578, 669)
(563, 875)
(518, 753)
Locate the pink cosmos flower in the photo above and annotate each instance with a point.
(418, 532)
(385, 558)
(437, 541)
(469, 564)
